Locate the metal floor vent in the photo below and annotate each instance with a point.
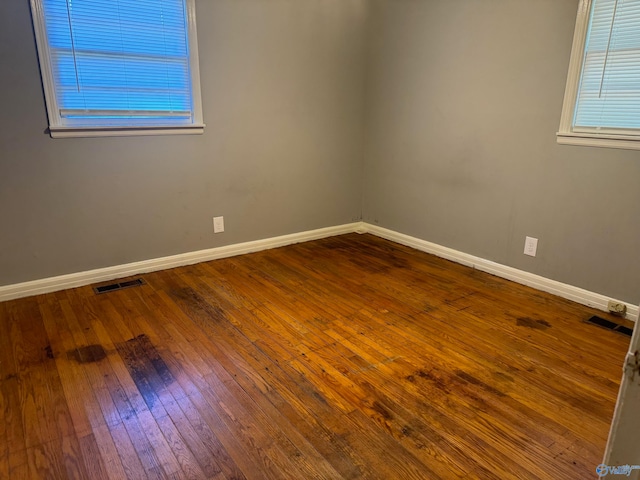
(118, 286)
(609, 325)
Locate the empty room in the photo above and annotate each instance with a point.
(332, 239)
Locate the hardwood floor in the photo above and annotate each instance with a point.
(348, 357)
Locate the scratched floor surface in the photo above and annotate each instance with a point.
(348, 357)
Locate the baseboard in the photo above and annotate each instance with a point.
(563, 290)
(80, 279)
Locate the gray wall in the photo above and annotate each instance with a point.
(457, 101)
(464, 100)
(282, 152)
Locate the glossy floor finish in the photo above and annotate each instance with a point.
(347, 357)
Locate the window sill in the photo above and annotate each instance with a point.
(70, 132)
(603, 141)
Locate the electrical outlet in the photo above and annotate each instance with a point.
(530, 246)
(218, 224)
(617, 308)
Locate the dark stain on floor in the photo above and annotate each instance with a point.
(479, 383)
(88, 354)
(406, 431)
(437, 379)
(197, 307)
(381, 410)
(534, 324)
(148, 370)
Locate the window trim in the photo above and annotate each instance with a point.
(57, 128)
(566, 134)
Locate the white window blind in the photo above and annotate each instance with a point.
(601, 105)
(609, 93)
(118, 63)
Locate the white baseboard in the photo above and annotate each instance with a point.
(80, 279)
(560, 289)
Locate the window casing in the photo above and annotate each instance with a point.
(602, 97)
(119, 67)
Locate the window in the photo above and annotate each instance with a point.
(602, 98)
(119, 67)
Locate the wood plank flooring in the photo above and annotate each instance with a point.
(348, 357)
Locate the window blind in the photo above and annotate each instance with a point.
(120, 60)
(609, 91)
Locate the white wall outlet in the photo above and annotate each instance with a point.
(218, 224)
(530, 246)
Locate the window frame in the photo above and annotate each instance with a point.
(566, 134)
(58, 128)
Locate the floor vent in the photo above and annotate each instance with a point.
(609, 325)
(118, 286)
